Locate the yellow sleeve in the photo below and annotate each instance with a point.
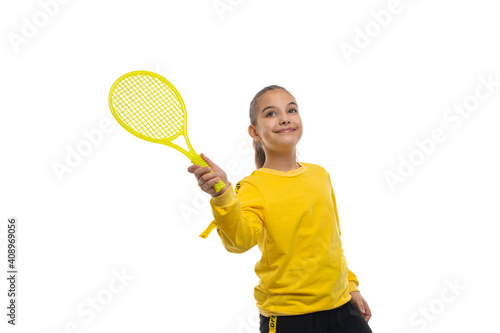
(239, 216)
(351, 277)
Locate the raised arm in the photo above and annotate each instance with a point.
(239, 216)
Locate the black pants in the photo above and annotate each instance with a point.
(344, 319)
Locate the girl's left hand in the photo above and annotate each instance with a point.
(361, 304)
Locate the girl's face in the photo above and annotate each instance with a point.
(279, 125)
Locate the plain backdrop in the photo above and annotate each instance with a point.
(108, 240)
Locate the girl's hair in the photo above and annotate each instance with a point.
(260, 155)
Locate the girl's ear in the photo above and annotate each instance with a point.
(253, 133)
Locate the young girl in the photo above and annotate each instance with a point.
(288, 208)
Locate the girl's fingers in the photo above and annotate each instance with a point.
(201, 171)
(197, 169)
(192, 168)
(209, 161)
(208, 185)
(368, 313)
(207, 177)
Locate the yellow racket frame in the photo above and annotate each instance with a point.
(114, 93)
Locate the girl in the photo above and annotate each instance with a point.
(288, 208)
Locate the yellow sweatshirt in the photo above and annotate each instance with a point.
(292, 216)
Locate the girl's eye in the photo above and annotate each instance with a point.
(288, 111)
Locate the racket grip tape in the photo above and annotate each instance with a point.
(198, 160)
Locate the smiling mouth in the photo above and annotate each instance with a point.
(286, 131)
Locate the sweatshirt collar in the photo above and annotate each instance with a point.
(292, 173)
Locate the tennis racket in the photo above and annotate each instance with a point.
(149, 107)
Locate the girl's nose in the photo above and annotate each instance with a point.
(285, 121)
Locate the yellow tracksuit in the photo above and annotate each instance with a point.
(293, 218)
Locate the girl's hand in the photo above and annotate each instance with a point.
(207, 179)
(361, 304)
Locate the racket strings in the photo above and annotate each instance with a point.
(148, 106)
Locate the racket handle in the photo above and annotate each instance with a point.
(198, 160)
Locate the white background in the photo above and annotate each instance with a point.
(131, 206)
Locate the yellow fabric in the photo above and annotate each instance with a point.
(293, 218)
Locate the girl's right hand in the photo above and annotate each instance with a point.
(207, 179)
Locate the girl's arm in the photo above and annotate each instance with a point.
(239, 216)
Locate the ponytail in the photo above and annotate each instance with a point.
(260, 154)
